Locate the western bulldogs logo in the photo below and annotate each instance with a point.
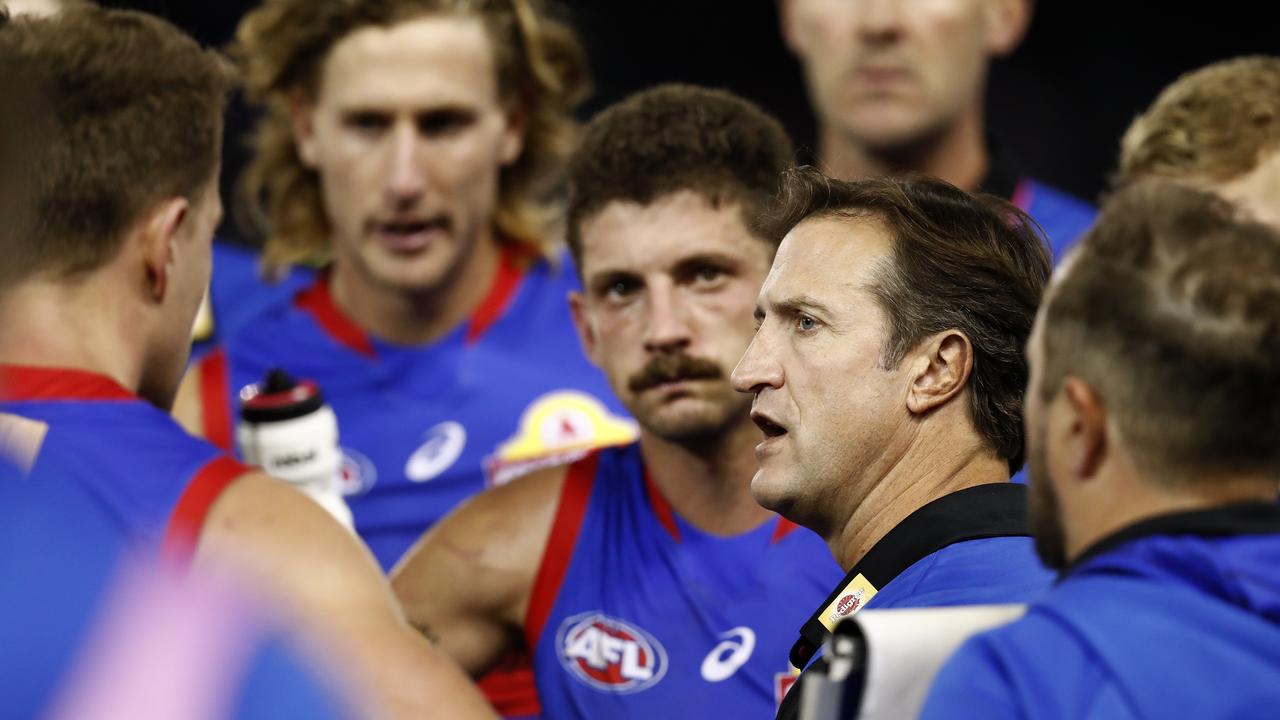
(610, 655)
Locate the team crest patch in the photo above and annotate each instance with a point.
(609, 654)
(557, 428)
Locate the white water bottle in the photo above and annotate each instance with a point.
(287, 429)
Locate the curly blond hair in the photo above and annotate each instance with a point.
(281, 47)
(1215, 123)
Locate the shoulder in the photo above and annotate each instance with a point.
(998, 673)
(986, 570)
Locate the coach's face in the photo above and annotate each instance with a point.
(409, 137)
(833, 417)
(665, 311)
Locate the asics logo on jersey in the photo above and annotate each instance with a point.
(609, 654)
(438, 452)
(733, 652)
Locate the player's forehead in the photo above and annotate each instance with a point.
(425, 61)
(662, 235)
(830, 260)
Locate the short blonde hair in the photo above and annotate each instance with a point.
(282, 46)
(1215, 123)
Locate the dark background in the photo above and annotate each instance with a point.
(1058, 105)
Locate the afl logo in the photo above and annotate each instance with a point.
(610, 655)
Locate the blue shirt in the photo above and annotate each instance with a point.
(638, 614)
(969, 547)
(1178, 616)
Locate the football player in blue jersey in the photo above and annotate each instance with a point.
(644, 578)
(887, 375)
(900, 87)
(120, 115)
(1217, 129)
(414, 145)
(1153, 409)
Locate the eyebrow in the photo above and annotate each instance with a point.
(793, 305)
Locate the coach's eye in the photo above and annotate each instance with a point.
(804, 323)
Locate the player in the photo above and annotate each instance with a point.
(101, 281)
(644, 578)
(1151, 439)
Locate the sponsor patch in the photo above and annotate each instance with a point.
(609, 654)
(850, 600)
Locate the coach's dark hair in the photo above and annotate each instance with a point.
(1170, 309)
(676, 137)
(129, 113)
(972, 263)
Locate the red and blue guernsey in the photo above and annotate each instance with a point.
(635, 613)
(424, 427)
(84, 431)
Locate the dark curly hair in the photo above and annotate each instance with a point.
(676, 137)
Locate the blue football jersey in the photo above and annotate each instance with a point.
(153, 481)
(636, 613)
(84, 614)
(424, 427)
(1063, 218)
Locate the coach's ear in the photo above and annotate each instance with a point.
(302, 117)
(582, 323)
(158, 233)
(940, 368)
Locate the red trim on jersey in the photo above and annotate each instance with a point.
(511, 269)
(1022, 194)
(572, 509)
(187, 520)
(318, 301)
(510, 687)
(215, 399)
(661, 507)
(782, 529)
(27, 382)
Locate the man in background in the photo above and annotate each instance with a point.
(900, 87)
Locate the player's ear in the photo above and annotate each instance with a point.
(941, 367)
(302, 116)
(582, 323)
(157, 233)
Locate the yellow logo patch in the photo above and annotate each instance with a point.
(848, 601)
(558, 427)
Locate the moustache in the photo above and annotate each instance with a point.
(672, 368)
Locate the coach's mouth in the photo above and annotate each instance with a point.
(770, 427)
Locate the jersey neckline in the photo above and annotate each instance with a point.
(19, 383)
(317, 301)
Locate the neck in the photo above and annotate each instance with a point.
(66, 324)
(709, 484)
(1143, 499)
(957, 153)
(919, 477)
(413, 316)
